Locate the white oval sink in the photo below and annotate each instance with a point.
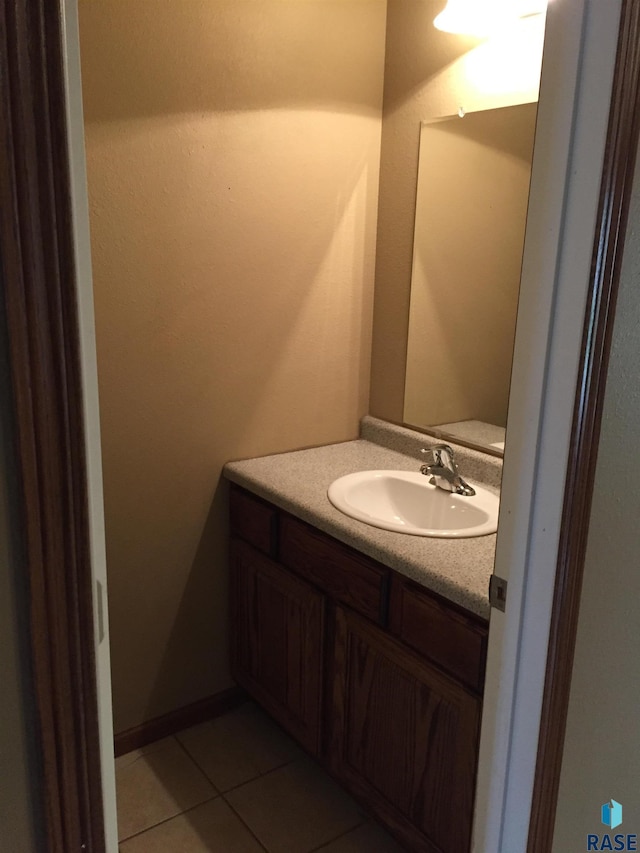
(406, 502)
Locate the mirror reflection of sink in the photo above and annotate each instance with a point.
(406, 502)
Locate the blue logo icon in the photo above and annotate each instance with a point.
(612, 814)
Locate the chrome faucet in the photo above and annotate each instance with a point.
(443, 470)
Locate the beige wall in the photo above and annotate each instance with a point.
(428, 73)
(601, 756)
(471, 207)
(233, 156)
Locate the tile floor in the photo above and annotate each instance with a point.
(236, 784)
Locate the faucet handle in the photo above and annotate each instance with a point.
(434, 457)
(443, 456)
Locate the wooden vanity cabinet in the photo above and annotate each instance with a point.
(375, 676)
(404, 737)
(278, 624)
(453, 640)
(278, 642)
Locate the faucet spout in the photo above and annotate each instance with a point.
(443, 470)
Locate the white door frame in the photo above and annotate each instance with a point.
(91, 411)
(575, 95)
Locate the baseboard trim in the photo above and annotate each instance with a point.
(175, 721)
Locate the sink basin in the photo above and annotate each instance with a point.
(406, 502)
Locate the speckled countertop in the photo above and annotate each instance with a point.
(458, 569)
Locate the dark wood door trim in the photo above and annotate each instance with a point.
(38, 280)
(615, 193)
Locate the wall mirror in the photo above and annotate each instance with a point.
(471, 205)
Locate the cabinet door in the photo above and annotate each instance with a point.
(277, 641)
(404, 738)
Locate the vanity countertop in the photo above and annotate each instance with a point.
(297, 482)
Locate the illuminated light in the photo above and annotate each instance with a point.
(518, 50)
(482, 18)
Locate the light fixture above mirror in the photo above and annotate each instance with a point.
(482, 18)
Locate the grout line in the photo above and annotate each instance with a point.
(277, 767)
(267, 773)
(195, 763)
(245, 824)
(337, 837)
(145, 751)
(167, 819)
(259, 775)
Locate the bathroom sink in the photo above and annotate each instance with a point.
(406, 502)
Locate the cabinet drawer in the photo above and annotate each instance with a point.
(253, 520)
(342, 573)
(453, 641)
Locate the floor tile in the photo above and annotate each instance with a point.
(368, 838)
(295, 809)
(123, 761)
(158, 784)
(238, 746)
(209, 828)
